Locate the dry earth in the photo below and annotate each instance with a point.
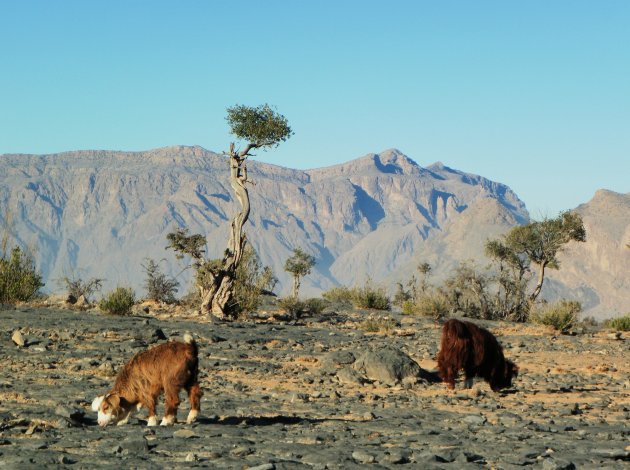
(284, 395)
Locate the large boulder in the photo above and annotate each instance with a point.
(388, 365)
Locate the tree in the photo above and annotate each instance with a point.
(158, 285)
(539, 243)
(299, 265)
(260, 127)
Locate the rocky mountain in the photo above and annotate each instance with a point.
(102, 213)
(597, 272)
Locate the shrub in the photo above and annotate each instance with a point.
(371, 297)
(158, 285)
(315, 305)
(619, 323)
(252, 281)
(378, 324)
(76, 287)
(561, 315)
(293, 306)
(340, 294)
(19, 280)
(432, 305)
(119, 301)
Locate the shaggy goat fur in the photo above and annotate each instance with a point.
(167, 369)
(474, 349)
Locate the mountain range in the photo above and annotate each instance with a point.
(103, 213)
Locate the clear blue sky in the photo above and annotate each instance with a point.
(533, 94)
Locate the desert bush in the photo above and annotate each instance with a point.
(158, 285)
(315, 306)
(296, 307)
(378, 324)
(340, 294)
(429, 304)
(292, 305)
(371, 297)
(119, 301)
(76, 287)
(19, 280)
(252, 281)
(401, 296)
(561, 315)
(619, 323)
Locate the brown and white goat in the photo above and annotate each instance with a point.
(167, 369)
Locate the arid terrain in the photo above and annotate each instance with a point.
(286, 394)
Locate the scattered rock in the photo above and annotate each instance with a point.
(388, 365)
(18, 338)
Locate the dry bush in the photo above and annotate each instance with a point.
(561, 315)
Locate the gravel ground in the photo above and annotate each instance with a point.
(289, 395)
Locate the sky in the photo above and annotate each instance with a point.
(535, 94)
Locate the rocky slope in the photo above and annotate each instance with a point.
(597, 272)
(285, 395)
(100, 214)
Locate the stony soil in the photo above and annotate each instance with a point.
(281, 395)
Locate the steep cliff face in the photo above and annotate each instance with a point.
(101, 214)
(597, 272)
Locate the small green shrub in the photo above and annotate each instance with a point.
(378, 324)
(340, 294)
(19, 280)
(371, 297)
(119, 301)
(619, 323)
(315, 305)
(293, 306)
(431, 305)
(561, 315)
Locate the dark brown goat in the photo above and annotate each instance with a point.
(474, 349)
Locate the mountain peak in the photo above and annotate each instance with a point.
(390, 161)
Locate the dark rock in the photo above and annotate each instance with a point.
(388, 365)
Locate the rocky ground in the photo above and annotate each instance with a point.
(318, 393)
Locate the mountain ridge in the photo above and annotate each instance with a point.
(101, 213)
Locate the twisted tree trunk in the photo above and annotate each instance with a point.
(217, 297)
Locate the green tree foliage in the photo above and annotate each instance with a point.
(19, 280)
(541, 242)
(261, 126)
(158, 285)
(299, 265)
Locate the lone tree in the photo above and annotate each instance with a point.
(259, 127)
(538, 243)
(299, 265)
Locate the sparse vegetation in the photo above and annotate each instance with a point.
(369, 296)
(619, 323)
(430, 304)
(296, 307)
(19, 279)
(341, 294)
(119, 301)
(378, 324)
(252, 281)
(77, 287)
(158, 285)
(561, 315)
